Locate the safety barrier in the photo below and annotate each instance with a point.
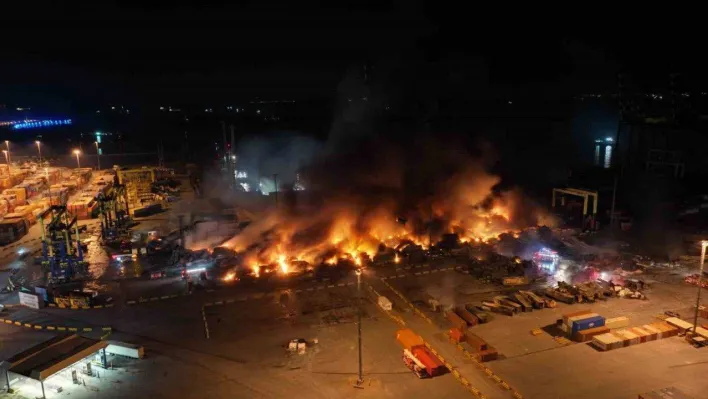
(54, 327)
(155, 298)
(60, 306)
(261, 295)
(424, 272)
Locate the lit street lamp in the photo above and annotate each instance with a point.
(98, 155)
(39, 150)
(7, 144)
(78, 163)
(360, 379)
(704, 244)
(7, 157)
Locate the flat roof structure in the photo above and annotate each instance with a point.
(49, 357)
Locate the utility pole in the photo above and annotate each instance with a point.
(360, 379)
(232, 165)
(704, 244)
(275, 182)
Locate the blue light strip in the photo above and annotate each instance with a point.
(44, 123)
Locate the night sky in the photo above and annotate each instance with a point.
(118, 52)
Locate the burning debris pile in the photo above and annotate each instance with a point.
(381, 202)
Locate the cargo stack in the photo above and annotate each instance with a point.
(617, 322)
(633, 336)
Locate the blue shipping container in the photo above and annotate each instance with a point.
(585, 324)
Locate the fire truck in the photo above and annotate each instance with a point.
(422, 363)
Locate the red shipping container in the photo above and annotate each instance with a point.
(477, 343)
(456, 321)
(456, 335)
(471, 319)
(433, 365)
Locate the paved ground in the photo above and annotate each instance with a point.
(539, 367)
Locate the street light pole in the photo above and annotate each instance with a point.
(704, 244)
(98, 155)
(7, 144)
(39, 150)
(7, 158)
(78, 163)
(359, 380)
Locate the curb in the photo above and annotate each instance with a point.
(54, 328)
(54, 305)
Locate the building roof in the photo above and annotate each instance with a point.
(49, 357)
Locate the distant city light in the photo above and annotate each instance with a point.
(42, 123)
(609, 139)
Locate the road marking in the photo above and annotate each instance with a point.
(350, 283)
(73, 329)
(341, 285)
(321, 288)
(330, 286)
(388, 278)
(401, 276)
(425, 272)
(51, 328)
(88, 329)
(61, 328)
(298, 290)
(416, 274)
(310, 289)
(36, 327)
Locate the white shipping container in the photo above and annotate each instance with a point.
(617, 322)
(385, 304)
(125, 349)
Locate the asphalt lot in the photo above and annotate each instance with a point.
(539, 367)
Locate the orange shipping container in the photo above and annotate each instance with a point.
(477, 343)
(574, 314)
(456, 335)
(408, 339)
(587, 335)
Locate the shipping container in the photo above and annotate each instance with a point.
(477, 343)
(587, 323)
(496, 308)
(515, 280)
(682, 325)
(481, 315)
(433, 365)
(587, 335)
(456, 320)
(408, 339)
(488, 354)
(617, 322)
(639, 332)
(467, 316)
(526, 306)
(535, 300)
(654, 334)
(125, 349)
(605, 342)
(456, 335)
(567, 316)
(12, 229)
